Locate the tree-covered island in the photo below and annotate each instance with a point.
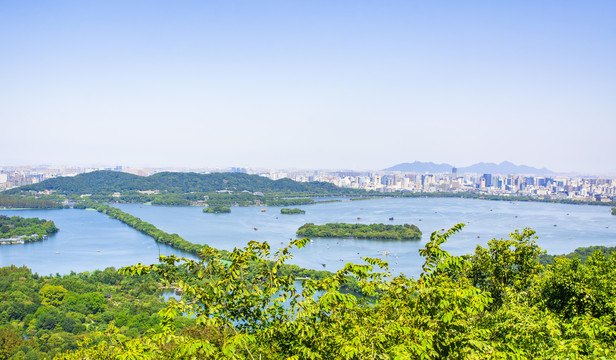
(19, 230)
(613, 211)
(294, 211)
(360, 231)
(219, 209)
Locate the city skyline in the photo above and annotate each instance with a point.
(319, 85)
(471, 168)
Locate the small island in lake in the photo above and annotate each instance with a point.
(613, 211)
(19, 230)
(361, 231)
(217, 209)
(292, 211)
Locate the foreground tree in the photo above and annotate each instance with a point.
(495, 304)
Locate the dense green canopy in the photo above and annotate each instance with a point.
(360, 231)
(16, 226)
(107, 182)
(217, 209)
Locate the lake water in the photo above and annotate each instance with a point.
(83, 232)
(87, 241)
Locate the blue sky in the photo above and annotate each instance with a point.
(311, 84)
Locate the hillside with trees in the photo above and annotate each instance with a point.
(581, 253)
(106, 182)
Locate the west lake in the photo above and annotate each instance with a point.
(89, 240)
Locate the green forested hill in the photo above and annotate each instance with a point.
(106, 182)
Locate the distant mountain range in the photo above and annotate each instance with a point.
(505, 167)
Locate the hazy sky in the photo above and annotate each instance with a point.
(308, 84)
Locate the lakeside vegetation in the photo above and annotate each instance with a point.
(32, 229)
(173, 240)
(360, 231)
(496, 303)
(217, 209)
(27, 202)
(177, 242)
(294, 211)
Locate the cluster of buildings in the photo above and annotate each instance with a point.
(573, 187)
(15, 176)
(582, 188)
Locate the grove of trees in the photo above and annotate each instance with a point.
(293, 211)
(360, 231)
(219, 209)
(16, 226)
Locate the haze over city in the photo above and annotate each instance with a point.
(356, 85)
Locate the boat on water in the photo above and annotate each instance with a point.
(263, 210)
(391, 218)
(256, 228)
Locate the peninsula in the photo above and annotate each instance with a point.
(19, 230)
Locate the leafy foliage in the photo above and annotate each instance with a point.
(498, 303)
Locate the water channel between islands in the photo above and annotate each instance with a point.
(89, 240)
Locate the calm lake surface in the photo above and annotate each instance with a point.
(87, 241)
(83, 232)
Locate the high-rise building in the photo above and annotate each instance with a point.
(488, 179)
